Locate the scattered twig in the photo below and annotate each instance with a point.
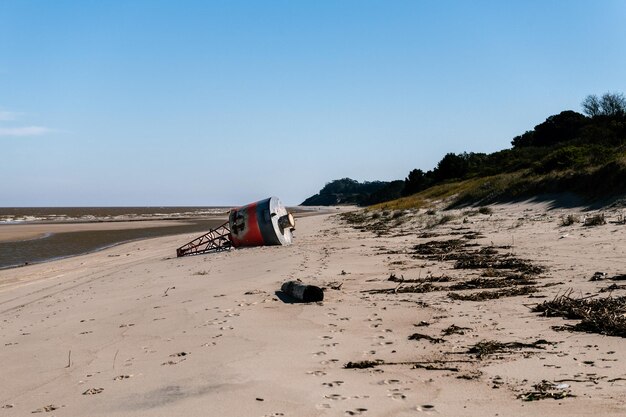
(420, 336)
(488, 347)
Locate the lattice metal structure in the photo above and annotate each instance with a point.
(215, 240)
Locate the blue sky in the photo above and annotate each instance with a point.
(226, 102)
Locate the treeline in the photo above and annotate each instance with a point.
(347, 191)
(565, 141)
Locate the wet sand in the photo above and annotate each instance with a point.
(31, 243)
(18, 232)
(132, 330)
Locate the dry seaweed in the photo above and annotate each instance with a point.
(493, 273)
(363, 364)
(486, 258)
(473, 235)
(442, 278)
(376, 223)
(488, 347)
(425, 285)
(602, 276)
(434, 367)
(598, 315)
(489, 261)
(420, 336)
(454, 329)
(492, 295)
(417, 289)
(354, 217)
(477, 283)
(470, 376)
(546, 389)
(438, 247)
(613, 287)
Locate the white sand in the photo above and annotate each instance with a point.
(207, 335)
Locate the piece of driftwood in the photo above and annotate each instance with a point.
(303, 292)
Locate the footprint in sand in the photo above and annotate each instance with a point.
(316, 373)
(332, 384)
(173, 362)
(389, 382)
(356, 412)
(93, 391)
(335, 397)
(44, 409)
(320, 353)
(396, 394)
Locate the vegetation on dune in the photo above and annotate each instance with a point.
(572, 152)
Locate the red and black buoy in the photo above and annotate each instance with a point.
(265, 222)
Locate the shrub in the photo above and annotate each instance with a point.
(596, 220)
(569, 220)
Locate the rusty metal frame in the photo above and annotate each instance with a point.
(215, 240)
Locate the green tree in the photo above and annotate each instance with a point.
(416, 182)
(557, 128)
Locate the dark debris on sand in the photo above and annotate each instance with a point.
(492, 295)
(488, 347)
(454, 329)
(363, 364)
(544, 390)
(420, 336)
(605, 316)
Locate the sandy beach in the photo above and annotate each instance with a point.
(135, 331)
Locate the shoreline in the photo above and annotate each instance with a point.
(27, 231)
(17, 237)
(26, 244)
